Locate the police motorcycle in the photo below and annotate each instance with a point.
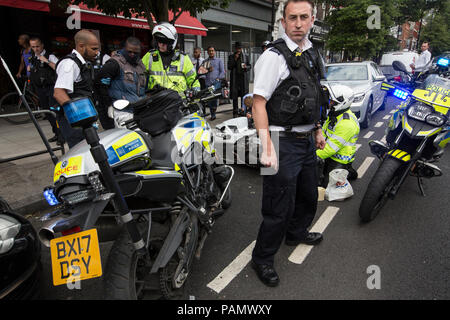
(169, 192)
(417, 135)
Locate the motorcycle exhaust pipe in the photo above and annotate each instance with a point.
(107, 228)
(46, 233)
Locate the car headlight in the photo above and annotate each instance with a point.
(358, 98)
(9, 228)
(436, 119)
(420, 111)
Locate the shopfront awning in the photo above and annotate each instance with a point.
(38, 5)
(185, 23)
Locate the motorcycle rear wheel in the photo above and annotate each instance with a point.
(127, 275)
(377, 191)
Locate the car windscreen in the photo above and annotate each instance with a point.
(347, 73)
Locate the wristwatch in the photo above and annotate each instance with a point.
(317, 127)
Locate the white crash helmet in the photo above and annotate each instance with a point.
(341, 96)
(167, 33)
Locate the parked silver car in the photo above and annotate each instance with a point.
(365, 78)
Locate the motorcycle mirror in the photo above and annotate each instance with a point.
(121, 104)
(399, 66)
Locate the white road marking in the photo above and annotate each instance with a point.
(379, 124)
(364, 166)
(357, 147)
(383, 140)
(386, 117)
(232, 270)
(393, 111)
(302, 250)
(368, 134)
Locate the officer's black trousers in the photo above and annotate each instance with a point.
(289, 200)
(46, 101)
(71, 136)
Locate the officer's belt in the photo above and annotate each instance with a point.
(293, 134)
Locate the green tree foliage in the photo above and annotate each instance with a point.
(349, 30)
(436, 32)
(158, 8)
(415, 10)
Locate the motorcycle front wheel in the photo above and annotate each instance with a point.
(378, 189)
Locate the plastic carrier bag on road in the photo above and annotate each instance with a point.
(338, 188)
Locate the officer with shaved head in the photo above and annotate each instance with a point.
(75, 78)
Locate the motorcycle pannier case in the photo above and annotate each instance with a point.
(158, 113)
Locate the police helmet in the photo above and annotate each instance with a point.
(341, 97)
(165, 33)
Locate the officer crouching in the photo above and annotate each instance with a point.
(341, 132)
(287, 105)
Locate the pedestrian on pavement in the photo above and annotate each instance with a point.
(75, 78)
(198, 61)
(25, 55)
(286, 108)
(341, 130)
(167, 66)
(42, 78)
(123, 76)
(239, 66)
(423, 60)
(216, 73)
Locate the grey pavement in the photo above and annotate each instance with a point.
(22, 181)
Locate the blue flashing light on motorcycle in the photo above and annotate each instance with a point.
(80, 112)
(401, 94)
(443, 62)
(50, 197)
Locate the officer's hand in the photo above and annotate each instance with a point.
(43, 59)
(320, 140)
(269, 160)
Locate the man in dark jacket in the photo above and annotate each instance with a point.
(239, 66)
(122, 77)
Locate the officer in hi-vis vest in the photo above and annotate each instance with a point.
(341, 131)
(167, 67)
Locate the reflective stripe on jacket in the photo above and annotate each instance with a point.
(341, 139)
(178, 76)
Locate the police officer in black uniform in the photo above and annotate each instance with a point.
(287, 109)
(76, 79)
(43, 77)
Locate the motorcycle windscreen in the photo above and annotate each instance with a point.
(435, 91)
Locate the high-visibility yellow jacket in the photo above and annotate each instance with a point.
(341, 138)
(178, 76)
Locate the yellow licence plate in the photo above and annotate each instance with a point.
(75, 257)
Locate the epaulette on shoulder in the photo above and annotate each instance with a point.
(346, 116)
(275, 50)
